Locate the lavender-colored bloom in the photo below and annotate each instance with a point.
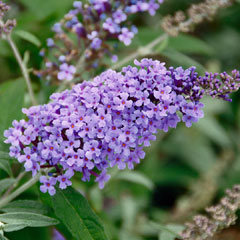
(114, 58)
(143, 98)
(110, 25)
(66, 72)
(152, 7)
(50, 42)
(119, 161)
(48, 64)
(64, 181)
(122, 101)
(119, 16)
(126, 36)
(57, 235)
(162, 92)
(96, 43)
(92, 35)
(106, 122)
(102, 178)
(62, 58)
(48, 185)
(145, 140)
(77, 4)
(57, 28)
(189, 120)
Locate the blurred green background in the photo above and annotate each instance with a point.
(185, 170)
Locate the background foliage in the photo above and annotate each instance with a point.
(184, 171)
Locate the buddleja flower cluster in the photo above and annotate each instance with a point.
(92, 25)
(108, 121)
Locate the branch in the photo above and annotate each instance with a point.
(23, 68)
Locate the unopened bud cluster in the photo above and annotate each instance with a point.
(5, 26)
(197, 13)
(220, 216)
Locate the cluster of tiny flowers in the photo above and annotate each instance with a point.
(5, 27)
(93, 25)
(220, 216)
(220, 85)
(105, 122)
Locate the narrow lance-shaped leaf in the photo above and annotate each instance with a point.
(136, 177)
(74, 211)
(28, 37)
(184, 60)
(170, 232)
(11, 102)
(28, 219)
(25, 206)
(5, 166)
(5, 161)
(189, 44)
(5, 184)
(14, 227)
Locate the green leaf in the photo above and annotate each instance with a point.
(147, 35)
(2, 237)
(199, 156)
(189, 44)
(6, 183)
(48, 8)
(5, 165)
(96, 198)
(183, 60)
(28, 219)
(25, 206)
(11, 102)
(170, 232)
(4, 155)
(13, 227)
(5, 162)
(5, 50)
(135, 177)
(212, 129)
(28, 37)
(129, 209)
(26, 57)
(160, 47)
(74, 211)
(214, 106)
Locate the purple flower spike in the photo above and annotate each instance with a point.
(108, 121)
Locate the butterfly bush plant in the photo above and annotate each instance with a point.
(104, 123)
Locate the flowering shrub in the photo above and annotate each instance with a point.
(91, 130)
(108, 121)
(93, 25)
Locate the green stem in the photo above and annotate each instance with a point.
(4, 201)
(19, 177)
(80, 62)
(147, 49)
(23, 68)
